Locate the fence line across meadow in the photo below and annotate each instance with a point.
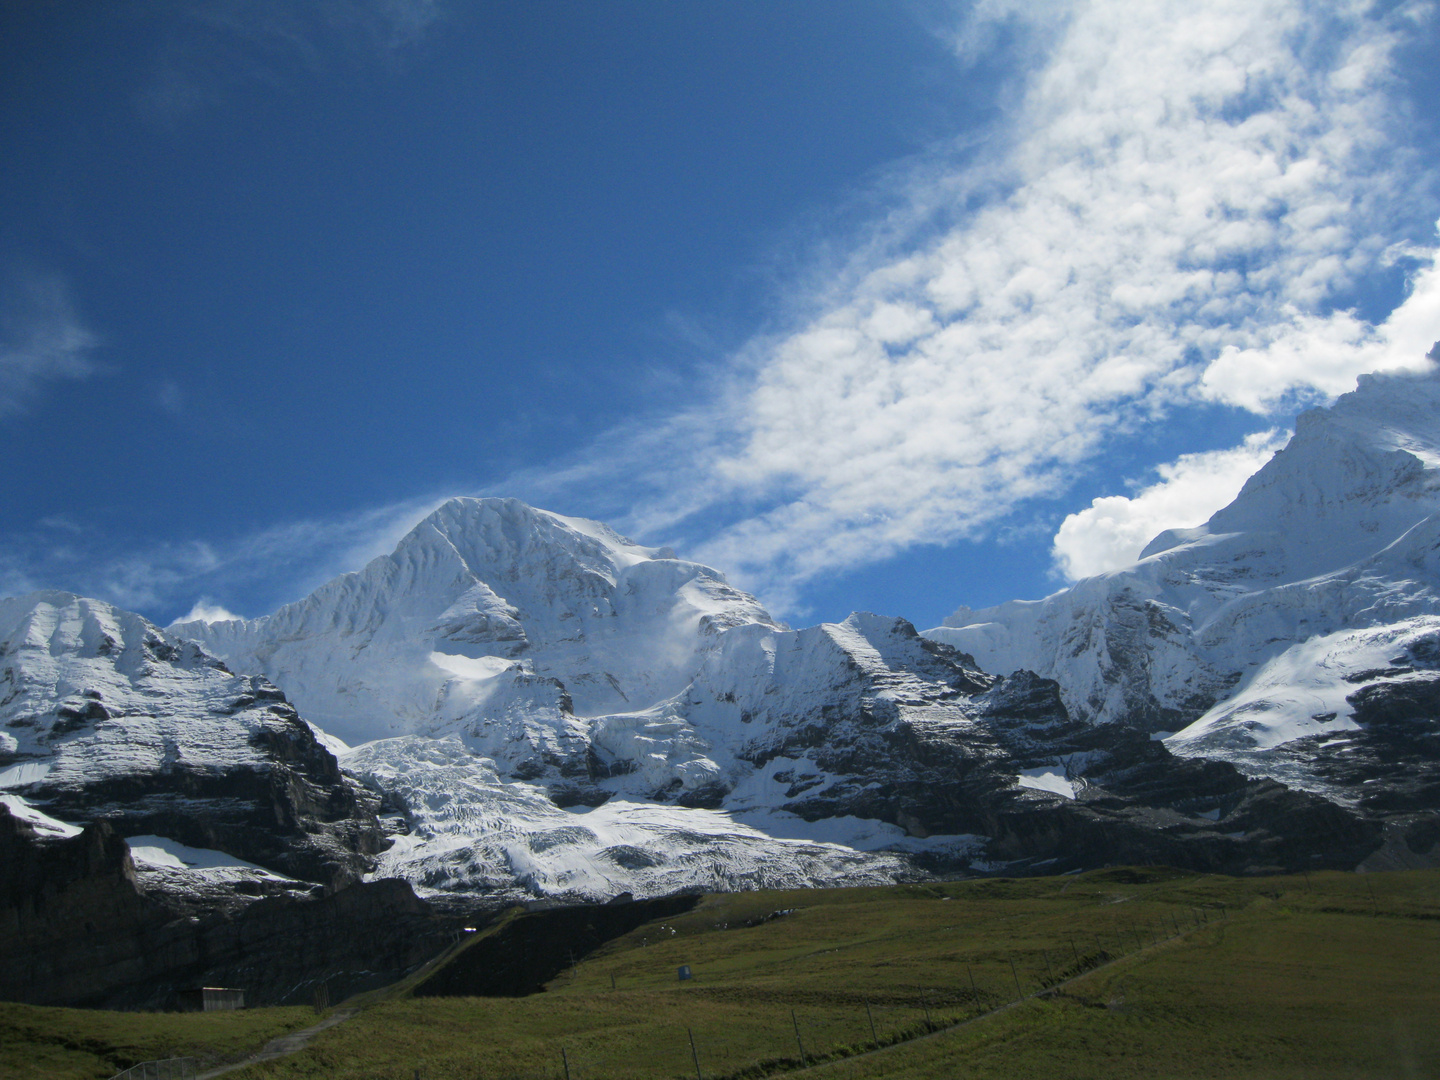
(696, 1054)
(814, 1040)
(163, 1069)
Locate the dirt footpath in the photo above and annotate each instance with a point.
(286, 1044)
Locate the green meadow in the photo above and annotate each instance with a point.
(41, 1042)
(1113, 974)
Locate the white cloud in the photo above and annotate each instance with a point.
(268, 567)
(406, 22)
(1169, 216)
(206, 610)
(1176, 200)
(1112, 531)
(62, 523)
(1325, 354)
(41, 339)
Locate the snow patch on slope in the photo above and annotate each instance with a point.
(41, 822)
(1047, 778)
(1302, 692)
(163, 853)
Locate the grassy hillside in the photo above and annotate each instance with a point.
(1157, 975)
(60, 1044)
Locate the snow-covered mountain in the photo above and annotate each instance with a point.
(105, 716)
(1296, 633)
(542, 707)
(482, 610)
(563, 712)
(539, 707)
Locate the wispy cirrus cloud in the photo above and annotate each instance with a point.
(1176, 213)
(42, 338)
(205, 47)
(267, 567)
(305, 32)
(1176, 209)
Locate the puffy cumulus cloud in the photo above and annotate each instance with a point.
(1323, 354)
(1173, 213)
(206, 610)
(1112, 531)
(41, 338)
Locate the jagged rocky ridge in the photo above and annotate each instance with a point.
(105, 716)
(1296, 634)
(703, 743)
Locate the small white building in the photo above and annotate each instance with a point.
(211, 999)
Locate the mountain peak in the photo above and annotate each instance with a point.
(616, 625)
(1368, 464)
(1269, 625)
(59, 622)
(508, 524)
(1365, 465)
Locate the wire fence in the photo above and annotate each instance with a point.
(183, 1068)
(808, 1035)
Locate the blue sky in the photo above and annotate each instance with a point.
(882, 306)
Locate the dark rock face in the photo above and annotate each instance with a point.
(77, 928)
(928, 742)
(1134, 802)
(107, 717)
(1398, 745)
(521, 956)
(282, 947)
(1391, 764)
(294, 813)
(73, 920)
(1137, 803)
